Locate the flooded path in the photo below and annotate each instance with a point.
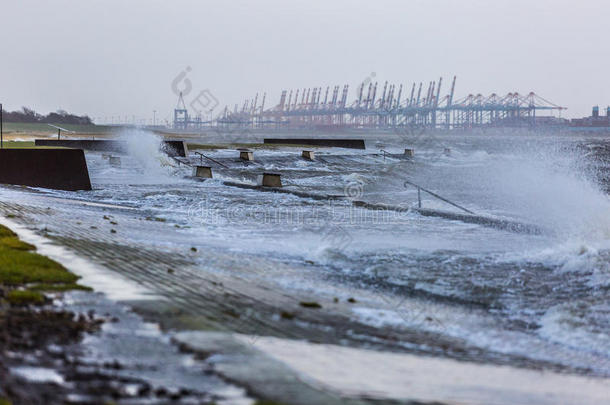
(211, 256)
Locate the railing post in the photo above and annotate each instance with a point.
(436, 196)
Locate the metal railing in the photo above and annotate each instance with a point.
(175, 159)
(420, 189)
(202, 156)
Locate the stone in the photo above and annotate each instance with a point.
(203, 172)
(308, 154)
(270, 180)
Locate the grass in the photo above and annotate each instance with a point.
(9, 127)
(14, 243)
(26, 145)
(59, 287)
(24, 297)
(5, 232)
(18, 267)
(18, 144)
(26, 273)
(8, 239)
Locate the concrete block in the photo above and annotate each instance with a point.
(202, 171)
(114, 161)
(175, 148)
(246, 155)
(409, 152)
(308, 154)
(59, 169)
(270, 180)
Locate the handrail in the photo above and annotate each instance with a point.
(59, 129)
(209, 158)
(434, 195)
(175, 159)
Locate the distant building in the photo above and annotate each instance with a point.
(551, 121)
(595, 120)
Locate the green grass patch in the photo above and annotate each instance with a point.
(14, 243)
(45, 128)
(25, 297)
(4, 401)
(4, 232)
(8, 239)
(23, 267)
(27, 145)
(59, 287)
(18, 144)
(20, 267)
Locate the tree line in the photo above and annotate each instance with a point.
(59, 117)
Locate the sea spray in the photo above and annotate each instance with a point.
(145, 148)
(546, 185)
(551, 186)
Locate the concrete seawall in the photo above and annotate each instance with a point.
(59, 169)
(335, 143)
(172, 148)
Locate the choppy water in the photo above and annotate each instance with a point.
(543, 297)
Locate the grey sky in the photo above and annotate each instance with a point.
(118, 57)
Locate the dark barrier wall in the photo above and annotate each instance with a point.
(59, 169)
(335, 143)
(172, 148)
(175, 148)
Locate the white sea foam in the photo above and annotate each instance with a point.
(551, 189)
(145, 148)
(576, 325)
(38, 374)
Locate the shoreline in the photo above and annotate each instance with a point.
(240, 358)
(43, 350)
(231, 310)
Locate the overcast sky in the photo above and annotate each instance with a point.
(119, 57)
